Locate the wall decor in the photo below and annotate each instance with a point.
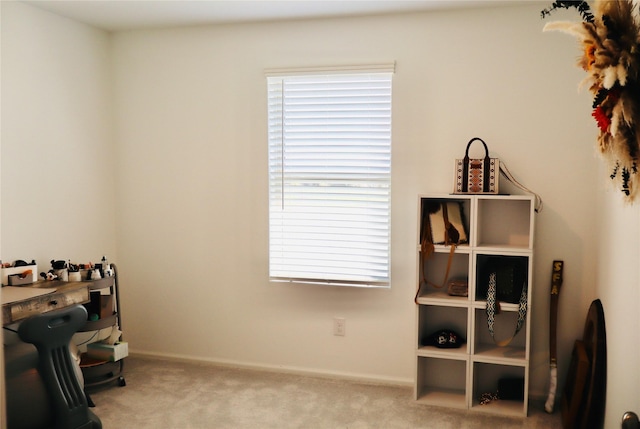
(610, 37)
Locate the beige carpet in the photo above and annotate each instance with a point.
(162, 394)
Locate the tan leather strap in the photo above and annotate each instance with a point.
(452, 251)
(452, 236)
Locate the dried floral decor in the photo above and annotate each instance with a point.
(610, 38)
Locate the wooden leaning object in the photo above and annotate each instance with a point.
(583, 402)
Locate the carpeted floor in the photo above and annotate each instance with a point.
(166, 394)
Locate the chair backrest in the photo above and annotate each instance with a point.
(50, 333)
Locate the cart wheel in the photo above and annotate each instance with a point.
(121, 381)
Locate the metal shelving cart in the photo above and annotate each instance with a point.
(98, 372)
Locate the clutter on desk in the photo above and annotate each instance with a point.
(22, 273)
(19, 273)
(67, 271)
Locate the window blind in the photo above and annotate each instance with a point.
(330, 178)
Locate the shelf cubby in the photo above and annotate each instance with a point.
(486, 379)
(433, 318)
(435, 269)
(504, 223)
(485, 348)
(465, 204)
(442, 382)
(484, 262)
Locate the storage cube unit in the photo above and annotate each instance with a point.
(499, 229)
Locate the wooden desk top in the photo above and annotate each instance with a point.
(66, 294)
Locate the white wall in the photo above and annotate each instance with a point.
(190, 173)
(57, 156)
(192, 180)
(618, 287)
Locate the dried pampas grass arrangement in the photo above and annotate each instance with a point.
(610, 38)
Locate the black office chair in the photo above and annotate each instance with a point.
(50, 333)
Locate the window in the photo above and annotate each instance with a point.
(330, 177)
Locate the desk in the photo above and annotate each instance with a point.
(65, 295)
(68, 294)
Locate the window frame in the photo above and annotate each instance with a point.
(372, 280)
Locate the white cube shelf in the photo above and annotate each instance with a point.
(497, 226)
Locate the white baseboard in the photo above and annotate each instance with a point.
(314, 372)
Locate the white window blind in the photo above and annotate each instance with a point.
(330, 178)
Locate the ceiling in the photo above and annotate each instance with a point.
(114, 15)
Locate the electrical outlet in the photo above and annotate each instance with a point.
(339, 326)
